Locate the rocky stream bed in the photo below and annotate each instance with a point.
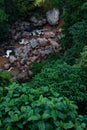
(28, 42)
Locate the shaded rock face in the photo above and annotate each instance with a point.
(52, 16)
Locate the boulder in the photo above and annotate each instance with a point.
(53, 43)
(12, 59)
(33, 43)
(22, 77)
(52, 16)
(42, 41)
(33, 19)
(6, 66)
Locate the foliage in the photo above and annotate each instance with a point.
(11, 10)
(5, 79)
(25, 6)
(23, 107)
(37, 67)
(50, 3)
(3, 23)
(82, 61)
(75, 28)
(66, 80)
(78, 33)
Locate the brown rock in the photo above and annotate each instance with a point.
(49, 34)
(22, 77)
(6, 66)
(12, 59)
(43, 41)
(53, 43)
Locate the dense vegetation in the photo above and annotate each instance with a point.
(48, 101)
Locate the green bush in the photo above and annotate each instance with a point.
(82, 61)
(78, 33)
(74, 28)
(3, 24)
(5, 79)
(66, 80)
(24, 108)
(25, 7)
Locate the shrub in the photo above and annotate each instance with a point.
(37, 109)
(74, 28)
(25, 7)
(66, 80)
(82, 61)
(3, 24)
(11, 10)
(78, 32)
(5, 79)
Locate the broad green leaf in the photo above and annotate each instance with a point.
(68, 125)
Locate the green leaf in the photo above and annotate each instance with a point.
(68, 125)
(41, 125)
(34, 118)
(16, 118)
(45, 116)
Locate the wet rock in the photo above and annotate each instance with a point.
(17, 36)
(6, 66)
(53, 43)
(52, 16)
(42, 41)
(24, 41)
(30, 73)
(12, 59)
(33, 43)
(45, 52)
(33, 58)
(26, 34)
(22, 77)
(49, 35)
(33, 19)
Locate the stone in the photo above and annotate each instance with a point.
(42, 41)
(24, 41)
(6, 66)
(30, 73)
(53, 43)
(22, 77)
(33, 43)
(49, 34)
(26, 34)
(33, 58)
(33, 19)
(12, 59)
(52, 16)
(45, 52)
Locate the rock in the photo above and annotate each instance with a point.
(43, 41)
(49, 34)
(22, 77)
(24, 41)
(26, 34)
(33, 58)
(22, 61)
(52, 16)
(60, 30)
(53, 43)
(45, 52)
(30, 73)
(6, 66)
(33, 43)
(33, 19)
(12, 59)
